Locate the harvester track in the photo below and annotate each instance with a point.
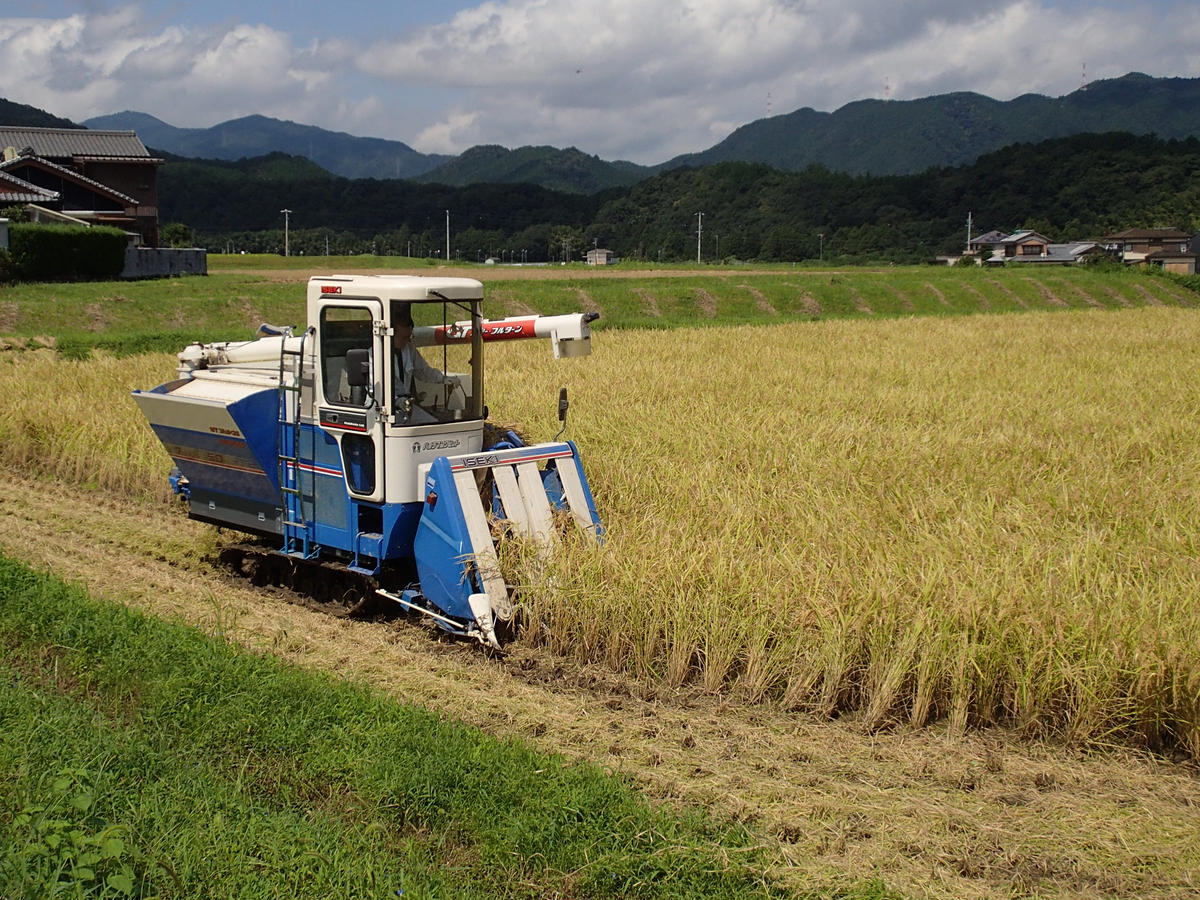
(329, 587)
(318, 584)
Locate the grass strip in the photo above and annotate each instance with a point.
(141, 758)
(121, 318)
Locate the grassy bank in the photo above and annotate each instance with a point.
(133, 317)
(139, 758)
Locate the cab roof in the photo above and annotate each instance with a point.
(406, 288)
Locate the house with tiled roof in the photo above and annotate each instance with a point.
(1072, 253)
(1166, 247)
(96, 177)
(1024, 245)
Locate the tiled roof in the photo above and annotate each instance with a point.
(64, 143)
(1059, 253)
(83, 157)
(17, 190)
(992, 237)
(1018, 237)
(1170, 254)
(72, 175)
(1149, 234)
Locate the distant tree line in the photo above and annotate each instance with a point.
(1078, 187)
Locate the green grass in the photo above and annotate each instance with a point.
(164, 315)
(139, 758)
(735, 298)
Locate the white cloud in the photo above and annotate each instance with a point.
(451, 135)
(649, 78)
(83, 66)
(635, 79)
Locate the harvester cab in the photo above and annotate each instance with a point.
(361, 442)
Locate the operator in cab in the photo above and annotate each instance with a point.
(409, 369)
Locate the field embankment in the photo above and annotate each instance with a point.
(133, 317)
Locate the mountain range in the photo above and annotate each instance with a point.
(904, 137)
(340, 153)
(878, 137)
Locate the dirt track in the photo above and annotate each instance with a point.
(932, 814)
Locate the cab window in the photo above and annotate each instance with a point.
(343, 331)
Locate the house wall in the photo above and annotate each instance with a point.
(136, 180)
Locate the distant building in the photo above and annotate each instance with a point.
(991, 240)
(600, 258)
(1065, 254)
(1024, 245)
(77, 175)
(1028, 247)
(1167, 247)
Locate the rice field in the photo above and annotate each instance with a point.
(971, 519)
(991, 519)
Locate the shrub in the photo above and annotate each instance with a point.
(66, 252)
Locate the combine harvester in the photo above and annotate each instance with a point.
(353, 456)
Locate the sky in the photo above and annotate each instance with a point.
(641, 80)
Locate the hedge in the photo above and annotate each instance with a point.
(66, 252)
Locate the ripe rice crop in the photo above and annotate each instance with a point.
(990, 519)
(75, 421)
(977, 519)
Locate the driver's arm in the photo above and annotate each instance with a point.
(427, 373)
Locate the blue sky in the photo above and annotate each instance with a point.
(642, 80)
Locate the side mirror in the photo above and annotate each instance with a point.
(358, 367)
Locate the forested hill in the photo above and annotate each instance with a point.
(1070, 188)
(560, 170)
(21, 115)
(892, 137)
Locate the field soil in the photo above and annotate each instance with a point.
(928, 812)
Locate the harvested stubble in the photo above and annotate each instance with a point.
(979, 519)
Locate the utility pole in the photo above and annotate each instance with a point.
(821, 235)
(699, 231)
(447, 236)
(968, 231)
(286, 214)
